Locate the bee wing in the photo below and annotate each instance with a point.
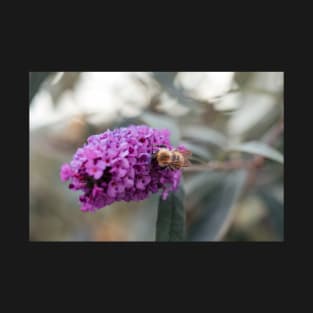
(186, 154)
(186, 163)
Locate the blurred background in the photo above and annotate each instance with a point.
(227, 117)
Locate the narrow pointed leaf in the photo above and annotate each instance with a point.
(259, 148)
(171, 217)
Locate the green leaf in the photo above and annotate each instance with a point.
(217, 208)
(205, 134)
(161, 121)
(259, 148)
(171, 217)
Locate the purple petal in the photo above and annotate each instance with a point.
(101, 164)
(66, 172)
(98, 174)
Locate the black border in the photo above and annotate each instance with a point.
(267, 253)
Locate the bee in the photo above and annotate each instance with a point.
(172, 159)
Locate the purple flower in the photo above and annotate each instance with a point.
(95, 168)
(117, 165)
(66, 172)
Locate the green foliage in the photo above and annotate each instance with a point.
(171, 217)
(217, 205)
(259, 148)
(205, 134)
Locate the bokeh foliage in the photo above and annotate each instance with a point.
(237, 120)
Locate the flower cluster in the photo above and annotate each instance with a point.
(118, 165)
